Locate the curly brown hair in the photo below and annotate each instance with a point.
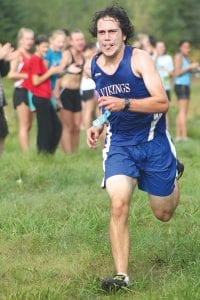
(118, 13)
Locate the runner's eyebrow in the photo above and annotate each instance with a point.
(109, 31)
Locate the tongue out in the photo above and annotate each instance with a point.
(108, 47)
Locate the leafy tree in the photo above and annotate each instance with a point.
(47, 15)
(140, 12)
(170, 20)
(10, 18)
(177, 19)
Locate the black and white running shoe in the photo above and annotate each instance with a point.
(180, 169)
(115, 283)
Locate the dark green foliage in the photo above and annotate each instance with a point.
(10, 19)
(177, 20)
(170, 20)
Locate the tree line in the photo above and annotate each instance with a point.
(170, 20)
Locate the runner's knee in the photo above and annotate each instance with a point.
(119, 209)
(163, 215)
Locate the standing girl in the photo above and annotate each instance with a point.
(19, 69)
(182, 72)
(54, 55)
(68, 91)
(48, 125)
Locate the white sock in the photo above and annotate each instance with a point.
(126, 277)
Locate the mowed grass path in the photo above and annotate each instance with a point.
(54, 241)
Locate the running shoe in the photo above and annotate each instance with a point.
(115, 283)
(180, 169)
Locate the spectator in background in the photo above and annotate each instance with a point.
(165, 67)
(88, 88)
(54, 55)
(152, 47)
(19, 69)
(69, 86)
(67, 37)
(147, 43)
(182, 71)
(6, 54)
(49, 127)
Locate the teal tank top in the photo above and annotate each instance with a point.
(184, 79)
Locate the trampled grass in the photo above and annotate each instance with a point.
(54, 241)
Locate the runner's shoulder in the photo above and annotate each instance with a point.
(140, 59)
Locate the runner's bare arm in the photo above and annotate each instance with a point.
(144, 67)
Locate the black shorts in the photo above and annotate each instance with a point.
(88, 95)
(3, 124)
(20, 96)
(182, 91)
(71, 100)
(168, 94)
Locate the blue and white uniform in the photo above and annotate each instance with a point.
(137, 144)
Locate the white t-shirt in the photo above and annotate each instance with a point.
(87, 84)
(164, 65)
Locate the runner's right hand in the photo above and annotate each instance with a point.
(93, 136)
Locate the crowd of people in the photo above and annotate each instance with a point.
(49, 82)
(53, 83)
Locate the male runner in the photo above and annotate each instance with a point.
(138, 149)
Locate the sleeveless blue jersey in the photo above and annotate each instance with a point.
(126, 127)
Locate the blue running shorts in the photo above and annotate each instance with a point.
(152, 163)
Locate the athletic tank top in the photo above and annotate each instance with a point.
(125, 127)
(184, 79)
(23, 67)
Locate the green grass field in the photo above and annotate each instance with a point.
(54, 241)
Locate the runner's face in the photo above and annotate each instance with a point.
(78, 41)
(27, 40)
(110, 36)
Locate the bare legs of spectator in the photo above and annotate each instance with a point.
(25, 121)
(71, 122)
(181, 120)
